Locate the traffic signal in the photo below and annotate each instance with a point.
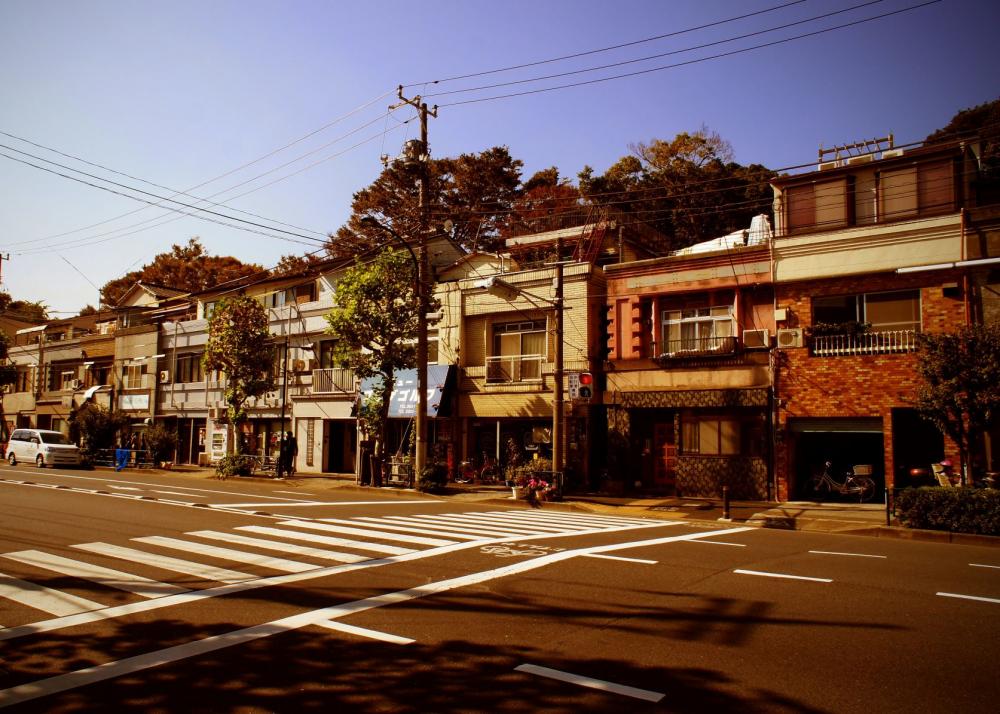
(586, 391)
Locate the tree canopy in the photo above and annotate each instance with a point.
(239, 346)
(688, 188)
(960, 383)
(23, 310)
(375, 322)
(185, 267)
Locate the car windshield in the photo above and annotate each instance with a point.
(54, 438)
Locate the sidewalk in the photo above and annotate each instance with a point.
(867, 519)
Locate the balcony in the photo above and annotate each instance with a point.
(698, 347)
(864, 343)
(508, 369)
(336, 380)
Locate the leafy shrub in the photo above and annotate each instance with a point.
(433, 478)
(960, 510)
(161, 442)
(233, 466)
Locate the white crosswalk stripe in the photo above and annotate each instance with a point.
(292, 546)
(238, 556)
(95, 573)
(54, 602)
(326, 540)
(199, 570)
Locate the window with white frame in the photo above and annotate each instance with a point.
(67, 379)
(132, 376)
(519, 349)
(697, 329)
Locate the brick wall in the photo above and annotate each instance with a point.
(854, 386)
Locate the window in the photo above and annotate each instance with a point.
(189, 368)
(24, 380)
(519, 348)
(888, 311)
(132, 376)
(100, 374)
(67, 379)
(710, 434)
(917, 190)
(817, 205)
(324, 354)
(697, 329)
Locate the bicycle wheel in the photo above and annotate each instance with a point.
(866, 488)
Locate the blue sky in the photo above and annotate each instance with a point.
(182, 92)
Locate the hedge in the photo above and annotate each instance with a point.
(959, 510)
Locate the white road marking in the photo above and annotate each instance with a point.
(54, 602)
(364, 632)
(720, 542)
(110, 670)
(325, 540)
(465, 525)
(385, 523)
(449, 530)
(505, 521)
(853, 555)
(297, 493)
(238, 556)
(170, 493)
(291, 548)
(591, 683)
(763, 574)
(983, 565)
(163, 562)
(370, 533)
(191, 596)
(292, 502)
(95, 573)
(618, 557)
(971, 597)
(125, 488)
(272, 504)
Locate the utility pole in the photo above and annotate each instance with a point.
(557, 387)
(423, 271)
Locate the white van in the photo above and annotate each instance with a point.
(43, 447)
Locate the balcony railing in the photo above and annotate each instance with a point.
(865, 343)
(334, 380)
(698, 347)
(504, 369)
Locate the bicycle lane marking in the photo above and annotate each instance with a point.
(130, 665)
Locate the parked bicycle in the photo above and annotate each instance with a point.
(854, 484)
(489, 472)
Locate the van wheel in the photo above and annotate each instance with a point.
(11, 459)
(40, 461)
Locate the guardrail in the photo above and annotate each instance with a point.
(865, 343)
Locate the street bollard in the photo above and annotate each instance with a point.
(888, 507)
(725, 502)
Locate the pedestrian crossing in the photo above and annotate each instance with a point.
(157, 566)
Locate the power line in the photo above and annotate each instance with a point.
(660, 55)
(606, 49)
(689, 62)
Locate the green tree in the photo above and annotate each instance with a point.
(185, 267)
(980, 123)
(8, 375)
(375, 322)
(474, 191)
(24, 310)
(95, 428)
(688, 188)
(960, 384)
(239, 345)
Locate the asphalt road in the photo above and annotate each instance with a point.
(163, 593)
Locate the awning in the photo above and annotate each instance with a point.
(871, 425)
(91, 391)
(405, 395)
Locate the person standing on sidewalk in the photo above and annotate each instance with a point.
(289, 450)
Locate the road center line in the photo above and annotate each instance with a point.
(764, 574)
(983, 565)
(618, 557)
(971, 597)
(590, 682)
(364, 632)
(113, 669)
(853, 555)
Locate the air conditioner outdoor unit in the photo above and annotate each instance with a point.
(855, 160)
(891, 153)
(74, 384)
(827, 165)
(164, 376)
(790, 337)
(756, 339)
